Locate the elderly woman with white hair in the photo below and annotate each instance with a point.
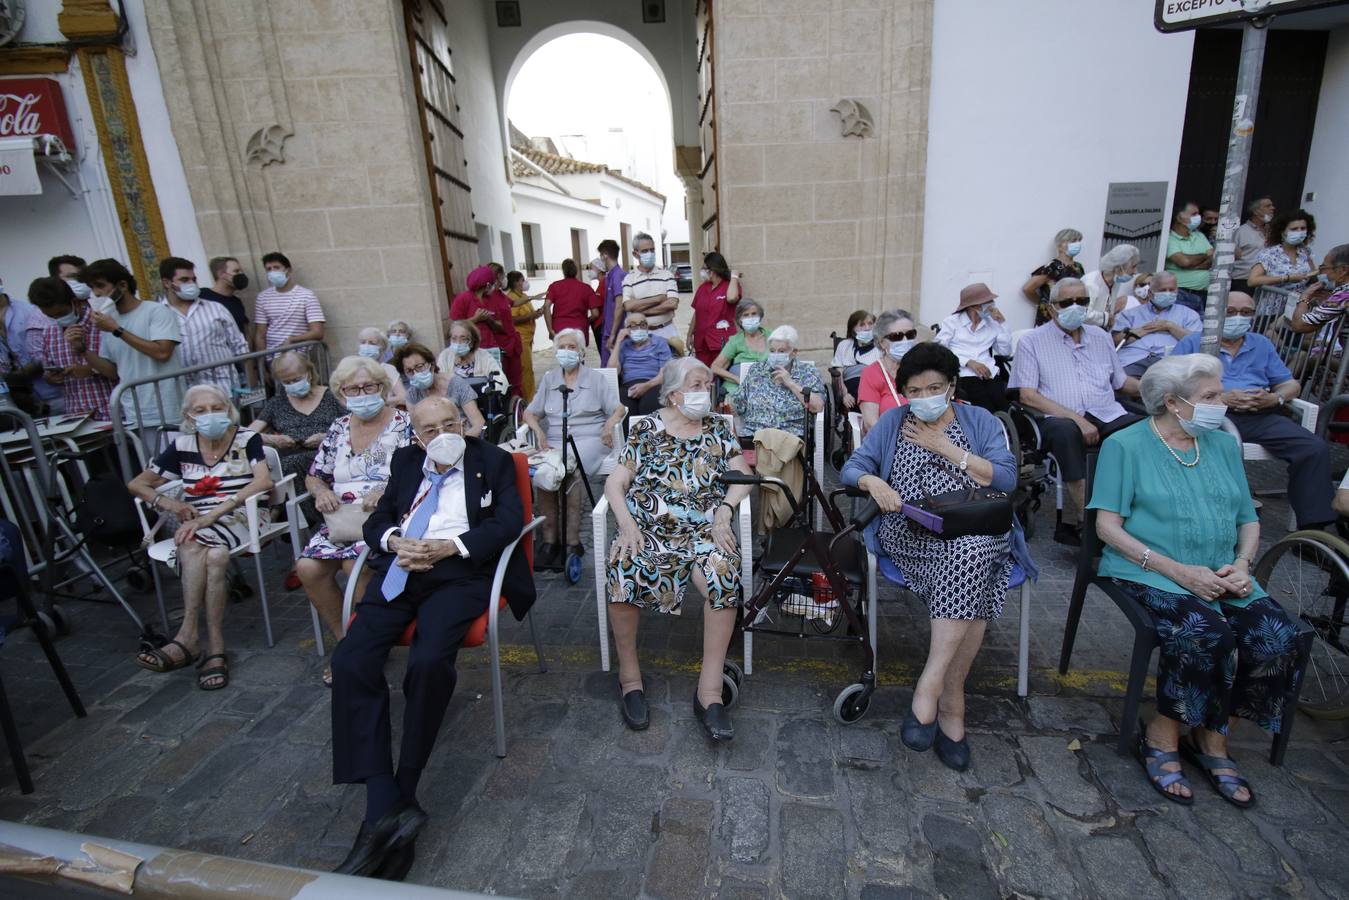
(593, 409)
(674, 530)
(371, 343)
(779, 391)
(1067, 245)
(1111, 287)
(1175, 512)
(398, 334)
(220, 466)
(346, 480)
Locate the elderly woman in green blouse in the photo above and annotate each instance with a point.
(1175, 512)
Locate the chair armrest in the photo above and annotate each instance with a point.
(499, 576)
(349, 593)
(293, 518)
(1306, 413)
(163, 490)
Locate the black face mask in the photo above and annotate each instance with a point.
(240, 281)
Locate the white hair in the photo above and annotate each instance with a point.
(787, 334)
(576, 333)
(676, 372)
(888, 318)
(399, 323)
(189, 426)
(1061, 284)
(375, 333)
(1175, 376)
(350, 365)
(293, 356)
(1118, 257)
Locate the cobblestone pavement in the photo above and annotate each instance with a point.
(798, 806)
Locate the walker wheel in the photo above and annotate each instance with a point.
(48, 622)
(61, 619)
(852, 704)
(574, 567)
(730, 690)
(731, 669)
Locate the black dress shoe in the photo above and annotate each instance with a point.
(367, 853)
(716, 720)
(955, 754)
(915, 735)
(635, 713)
(1071, 535)
(397, 863)
(396, 829)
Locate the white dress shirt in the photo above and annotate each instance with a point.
(974, 343)
(451, 516)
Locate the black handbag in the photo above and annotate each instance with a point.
(972, 510)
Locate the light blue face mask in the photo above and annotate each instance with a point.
(568, 359)
(397, 340)
(899, 348)
(1207, 417)
(1071, 319)
(930, 409)
(78, 288)
(366, 406)
(647, 258)
(779, 360)
(1236, 326)
(369, 351)
(1123, 279)
(459, 349)
(212, 425)
(639, 335)
(1293, 238)
(1074, 248)
(750, 323)
(277, 279)
(1164, 299)
(188, 292)
(421, 380)
(1324, 279)
(298, 388)
(862, 335)
(67, 320)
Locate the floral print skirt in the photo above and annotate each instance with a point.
(1215, 665)
(658, 574)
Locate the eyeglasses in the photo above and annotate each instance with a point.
(431, 431)
(902, 335)
(1072, 301)
(418, 370)
(356, 390)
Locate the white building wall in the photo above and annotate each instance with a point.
(1327, 172)
(1035, 108)
(556, 215)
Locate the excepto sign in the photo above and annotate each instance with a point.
(18, 169)
(33, 106)
(1179, 15)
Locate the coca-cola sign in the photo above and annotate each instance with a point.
(33, 106)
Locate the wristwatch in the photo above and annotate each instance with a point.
(117, 332)
(965, 461)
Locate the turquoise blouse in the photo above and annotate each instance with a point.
(1188, 514)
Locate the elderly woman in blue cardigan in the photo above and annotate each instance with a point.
(932, 446)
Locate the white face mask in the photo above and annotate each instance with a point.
(446, 449)
(697, 404)
(1142, 291)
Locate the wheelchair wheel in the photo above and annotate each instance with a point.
(574, 567)
(1307, 573)
(1013, 438)
(852, 704)
(731, 670)
(730, 690)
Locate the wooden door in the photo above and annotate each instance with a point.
(707, 128)
(437, 107)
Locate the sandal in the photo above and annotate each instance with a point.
(162, 661)
(327, 677)
(1152, 760)
(221, 672)
(1226, 785)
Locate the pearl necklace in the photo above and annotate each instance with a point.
(1174, 455)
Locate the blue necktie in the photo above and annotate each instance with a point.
(396, 579)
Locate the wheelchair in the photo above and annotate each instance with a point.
(501, 410)
(1037, 469)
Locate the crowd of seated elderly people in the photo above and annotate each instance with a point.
(394, 464)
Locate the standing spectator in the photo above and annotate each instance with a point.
(1067, 245)
(1111, 287)
(640, 357)
(66, 344)
(714, 305)
(1250, 240)
(1068, 372)
(512, 349)
(1208, 224)
(569, 303)
(652, 290)
(139, 340)
(1328, 297)
(227, 279)
(209, 333)
(524, 314)
(285, 313)
(852, 355)
(976, 333)
(1190, 256)
(479, 305)
(68, 267)
(22, 326)
(1257, 386)
(614, 275)
(1287, 260)
(1152, 329)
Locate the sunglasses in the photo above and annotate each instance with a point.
(902, 335)
(1073, 301)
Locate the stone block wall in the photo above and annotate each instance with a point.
(820, 222)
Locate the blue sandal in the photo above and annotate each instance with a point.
(1226, 785)
(1152, 761)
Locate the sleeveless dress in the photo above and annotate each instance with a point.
(963, 578)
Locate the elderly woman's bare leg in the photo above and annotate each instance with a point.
(951, 706)
(319, 577)
(1163, 733)
(545, 503)
(192, 571)
(943, 644)
(718, 625)
(217, 561)
(573, 535)
(1211, 743)
(623, 621)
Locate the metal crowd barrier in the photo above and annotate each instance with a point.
(1317, 359)
(162, 416)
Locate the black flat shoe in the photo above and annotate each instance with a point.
(546, 554)
(635, 713)
(367, 852)
(915, 735)
(395, 830)
(716, 720)
(397, 863)
(1068, 535)
(955, 754)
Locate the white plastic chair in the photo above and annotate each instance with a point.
(299, 536)
(607, 464)
(600, 557)
(1307, 414)
(260, 534)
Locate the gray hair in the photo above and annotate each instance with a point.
(740, 307)
(1118, 257)
(643, 236)
(188, 426)
(1067, 236)
(396, 323)
(890, 317)
(1337, 256)
(1175, 376)
(380, 337)
(676, 372)
(350, 365)
(1254, 205)
(786, 333)
(1061, 284)
(576, 333)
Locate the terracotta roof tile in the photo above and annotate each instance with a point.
(564, 165)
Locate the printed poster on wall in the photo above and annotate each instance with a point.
(1135, 213)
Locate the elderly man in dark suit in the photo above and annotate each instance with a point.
(451, 507)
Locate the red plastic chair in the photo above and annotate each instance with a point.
(484, 628)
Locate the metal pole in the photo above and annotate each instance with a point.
(1234, 180)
